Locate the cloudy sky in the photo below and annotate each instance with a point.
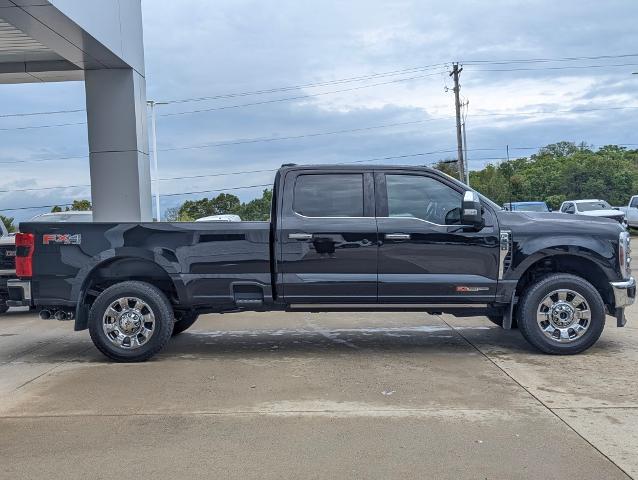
(369, 81)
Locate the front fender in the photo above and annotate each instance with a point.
(601, 252)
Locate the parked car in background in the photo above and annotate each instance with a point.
(593, 208)
(7, 265)
(631, 211)
(526, 207)
(220, 218)
(71, 216)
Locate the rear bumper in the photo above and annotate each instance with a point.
(624, 296)
(19, 293)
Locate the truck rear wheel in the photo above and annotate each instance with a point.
(131, 321)
(4, 308)
(561, 314)
(184, 321)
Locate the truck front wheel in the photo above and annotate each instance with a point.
(131, 321)
(561, 314)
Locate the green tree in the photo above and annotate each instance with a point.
(224, 203)
(81, 205)
(257, 209)
(8, 223)
(448, 167)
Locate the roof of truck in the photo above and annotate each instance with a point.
(362, 166)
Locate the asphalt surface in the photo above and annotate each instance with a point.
(318, 396)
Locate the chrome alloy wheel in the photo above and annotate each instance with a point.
(128, 323)
(563, 316)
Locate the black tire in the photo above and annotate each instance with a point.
(156, 302)
(4, 308)
(184, 321)
(531, 302)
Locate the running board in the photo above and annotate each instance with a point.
(384, 306)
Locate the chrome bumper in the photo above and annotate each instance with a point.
(19, 293)
(624, 296)
(624, 292)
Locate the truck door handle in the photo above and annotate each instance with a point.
(300, 236)
(397, 236)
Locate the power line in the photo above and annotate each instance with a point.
(354, 79)
(548, 60)
(567, 67)
(296, 97)
(244, 172)
(367, 160)
(33, 114)
(295, 137)
(31, 127)
(317, 134)
(307, 85)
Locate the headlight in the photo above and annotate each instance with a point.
(624, 254)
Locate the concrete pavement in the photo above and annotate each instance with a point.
(384, 395)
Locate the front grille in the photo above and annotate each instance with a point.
(7, 262)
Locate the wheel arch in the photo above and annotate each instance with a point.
(122, 268)
(560, 262)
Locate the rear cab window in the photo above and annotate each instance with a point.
(329, 195)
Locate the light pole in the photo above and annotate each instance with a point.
(153, 104)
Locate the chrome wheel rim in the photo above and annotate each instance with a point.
(563, 316)
(128, 323)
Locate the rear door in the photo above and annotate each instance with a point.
(328, 237)
(425, 255)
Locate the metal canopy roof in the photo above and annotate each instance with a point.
(39, 42)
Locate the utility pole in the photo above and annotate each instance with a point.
(509, 165)
(457, 103)
(152, 105)
(466, 104)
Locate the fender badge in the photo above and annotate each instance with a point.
(464, 289)
(61, 239)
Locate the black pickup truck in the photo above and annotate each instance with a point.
(340, 239)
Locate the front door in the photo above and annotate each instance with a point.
(425, 255)
(328, 238)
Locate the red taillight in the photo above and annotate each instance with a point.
(25, 243)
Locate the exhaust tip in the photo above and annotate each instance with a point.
(45, 314)
(60, 315)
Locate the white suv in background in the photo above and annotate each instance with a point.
(593, 208)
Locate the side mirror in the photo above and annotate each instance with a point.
(471, 210)
(549, 209)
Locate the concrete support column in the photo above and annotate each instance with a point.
(118, 145)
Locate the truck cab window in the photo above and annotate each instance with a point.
(423, 197)
(634, 202)
(338, 195)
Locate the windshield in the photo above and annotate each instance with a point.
(595, 205)
(530, 207)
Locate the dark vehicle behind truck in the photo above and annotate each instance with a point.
(7, 265)
(340, 239)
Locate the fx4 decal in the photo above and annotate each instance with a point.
(61, 239)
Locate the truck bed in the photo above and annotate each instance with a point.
(204, 261)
